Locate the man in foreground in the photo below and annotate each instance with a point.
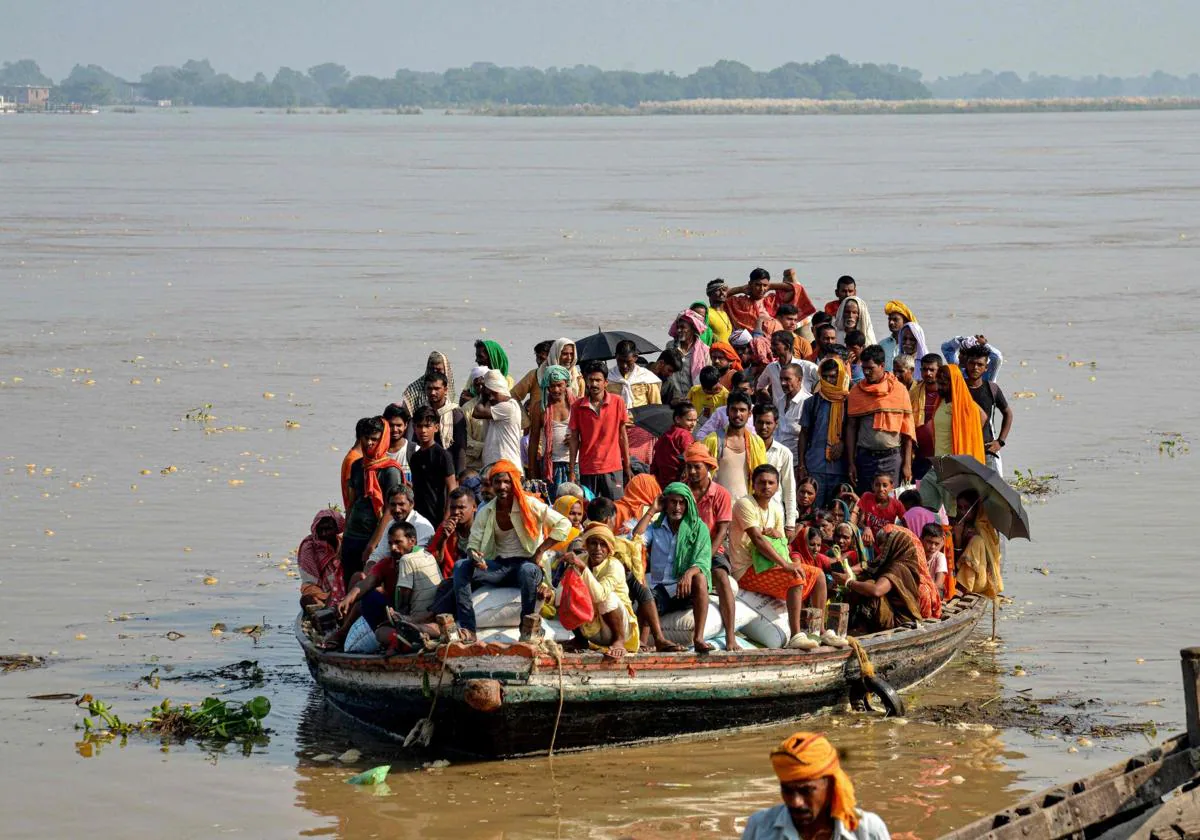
(818, 797)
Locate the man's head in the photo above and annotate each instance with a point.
(791, 378)
(944, 388)
(425, 425)
(760, 280)
(717, 292)
(974, 362)
(685, 330)
(698, 464)
(400, 502)
(402, 538)
(851, 315)
(742, 382)
(462, 505)
(856, 340)
(910, 499)
(845, 287)
(812, 784)
(826, 338)
(595, 379)
(933, 539)
(368, 431)
(627, 356)
(556, 391)
(871, 360)
(788, 317)
(829, 371)
(327, 530)
(398, 419)
(502, 485)
(764, 481)
(720, 361)
(604, 511)
(482, 357)
(820, 319)
(600, 543)
(684, 415)
(567, 356)
(930, 363)
(895, 322)
(496, 386)
(903, 366)
(670, 361)
(782, 344)
(541, 352)
(766, 421)
(436, 386)
(737, 408)
(710, 379)
(675, 506)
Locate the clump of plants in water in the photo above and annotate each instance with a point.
(200, 414)
(1173, 444)
(1034, 486)
(214, 721)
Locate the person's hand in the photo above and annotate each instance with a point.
(993, 447)
(836, 450)
(343, 607)
(789, 532)
(545, 592)
(853, 473)
(658, 505)
(801, 472)
(450, 523)
(579, 561)
(627, 474)
(868, 536)
(480, 563)
(981, 340)
(840, 579)
(906, 474)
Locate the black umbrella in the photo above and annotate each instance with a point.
(655, 419)
(956, 473)
(603, 345)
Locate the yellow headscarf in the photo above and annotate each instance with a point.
(806, 756)
(563, 505)
(894, 306)
(601, 532)
(836, 394)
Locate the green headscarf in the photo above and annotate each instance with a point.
(553, 373)
(693, 545)
(497, 358)
(706, 336)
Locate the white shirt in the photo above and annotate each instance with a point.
(502, 438)
(780, 457)
(788, 432)
(776, 824)
(424, 529)
(638, 376)
(769, 380)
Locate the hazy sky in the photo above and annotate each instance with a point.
(939, 37)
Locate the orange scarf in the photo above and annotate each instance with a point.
(725, 349)
(888, 400)
(966, 428)
(520, 497)
(640, 493)
(836, 395)
(806, 756)
(374, 461)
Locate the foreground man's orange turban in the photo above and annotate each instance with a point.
(806, 756)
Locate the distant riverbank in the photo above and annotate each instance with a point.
(803, 107)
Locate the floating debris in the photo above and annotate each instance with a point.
(1024, 395)
(211, 581)
(374, 776)
(349, 756)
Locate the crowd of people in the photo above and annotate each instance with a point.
(796, 437)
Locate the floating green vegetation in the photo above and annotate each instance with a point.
(1172, 444)
(214, 721)
(1034, 486)
(200, 414)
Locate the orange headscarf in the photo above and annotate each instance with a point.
(726, 349)
(806, 756)
(520, 497)
(697, 453)
(373, 461)
(888, 400)
(966, 428)
(640, 493)
(836, 394)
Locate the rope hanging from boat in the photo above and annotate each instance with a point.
(422, 732)
(864, 661)
(552, 647)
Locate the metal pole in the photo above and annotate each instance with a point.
(1190, 660)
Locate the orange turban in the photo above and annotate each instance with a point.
(805, 756)
(697, 453)
(519, 496)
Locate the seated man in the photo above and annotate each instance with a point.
(759, 553)
(449, 543)
(506, 545)
(629, 552)
(397, 592)
(400, 506)
(680, 551)
(613, 625)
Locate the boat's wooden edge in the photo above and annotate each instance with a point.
(965, 609)
(1104, 800)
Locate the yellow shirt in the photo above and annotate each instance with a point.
(609, 579)
(943, 430)
(721, 326)
(746, 515)
(706, 403)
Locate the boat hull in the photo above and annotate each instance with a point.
(494, 704)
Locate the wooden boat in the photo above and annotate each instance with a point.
(1153, 796)
(503, 700)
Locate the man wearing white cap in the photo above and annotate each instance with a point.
(502, 440)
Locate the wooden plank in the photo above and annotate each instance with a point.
(1190, 660)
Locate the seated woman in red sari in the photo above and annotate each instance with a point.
(320, 565)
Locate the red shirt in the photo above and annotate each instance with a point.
(599, 433)
(667, 463)
(874, 516)
(715, 507)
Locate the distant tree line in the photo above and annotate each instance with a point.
(332, 85)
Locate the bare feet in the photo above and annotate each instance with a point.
(702, 646)
(466, 636)
(615, 652)
(665, 645)
(731, 643)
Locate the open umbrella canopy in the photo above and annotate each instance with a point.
(603, 345)
(952, 474)
(655, 419)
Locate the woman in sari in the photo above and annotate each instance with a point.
(414, 394)
(977, 567)
(321, 580)
(888, 593)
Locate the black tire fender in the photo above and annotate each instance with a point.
(893, 703)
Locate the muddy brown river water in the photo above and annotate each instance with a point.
(300, 267)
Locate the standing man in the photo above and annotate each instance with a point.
(821, 451)
(637, 387)
(766, 421)
(452, 423)
(599, 444)
(880, 432)
(783, 349)
(975, 362)
(824, 341)
(669, 370)
(845, 287)
(737, 450)
(924, 398)
(903, 368)
(759, 298)
(502, 439)
(795, 397)
(715, 509)
(958, 421)
(818, 797)
(718, 319)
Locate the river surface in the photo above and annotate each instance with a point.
(300, 267)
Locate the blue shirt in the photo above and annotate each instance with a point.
(776, 824)
(815, 420)
(660, 539)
